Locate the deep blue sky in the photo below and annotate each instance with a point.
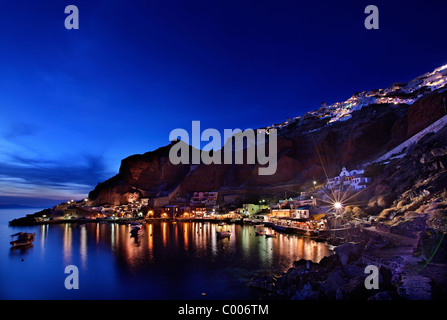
(73, 103)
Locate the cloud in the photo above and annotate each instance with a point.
(73, 176)
(27, 171)
(18, 130)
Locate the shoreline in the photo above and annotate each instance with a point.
(330, 236)
(403, 272)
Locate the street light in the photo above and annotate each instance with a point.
(337, 205)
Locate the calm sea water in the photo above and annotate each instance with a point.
(169, 261)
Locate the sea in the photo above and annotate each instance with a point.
(168, 261)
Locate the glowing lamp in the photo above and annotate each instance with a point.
(337, 205)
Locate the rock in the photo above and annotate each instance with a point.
(439, 152)
(348, 252)
(333, 282)
(424, 112)
(291, 290)
(292, 277)
(263, 282)
(377, 243)
(383, 295)
(352, 271)
(434, 247)
(309, 264)
(300, 263)
(385, 278)
(415, 287)
(329, 262)
(354, 290)
(306, 293)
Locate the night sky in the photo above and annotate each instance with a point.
(73, 103)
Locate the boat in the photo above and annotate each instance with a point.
(258, 225)
(136, 228)
(221, 224)
(312, 233)
(260, 233)
(270, 235)
(135, 232)
(279, 227)
(22, 239)
(223, 234)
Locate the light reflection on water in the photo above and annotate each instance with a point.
(168, 261)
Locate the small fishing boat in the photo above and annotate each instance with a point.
(270, 235)
(260, 233)
(22, 239)
(135, 232)
(136, 229)
(223, 234)
(258, 225)
(221, 224)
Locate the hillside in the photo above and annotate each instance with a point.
(350, 133)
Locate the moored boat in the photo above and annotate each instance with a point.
(270, 235)
(22, 239)
(279, 227)
(136, 229)
(260, 233)
(223, 234)
(136, 232)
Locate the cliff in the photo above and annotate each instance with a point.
(309, 147)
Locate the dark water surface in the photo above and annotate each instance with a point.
(169, 261)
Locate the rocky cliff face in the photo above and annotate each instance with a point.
(145, 175)
(307, 146)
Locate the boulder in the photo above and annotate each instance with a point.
(348, 252)
(354, 290)
(351, 271)
(329, 262)
(263, 282)
(415, 287)
(333, 282)
(383, 295)
(307, 292)
(385, 278)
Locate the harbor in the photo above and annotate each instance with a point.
(165, 259)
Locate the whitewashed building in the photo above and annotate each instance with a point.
(353, 180)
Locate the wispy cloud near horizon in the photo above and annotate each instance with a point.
(26, 173)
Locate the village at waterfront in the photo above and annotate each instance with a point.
(322, 211)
